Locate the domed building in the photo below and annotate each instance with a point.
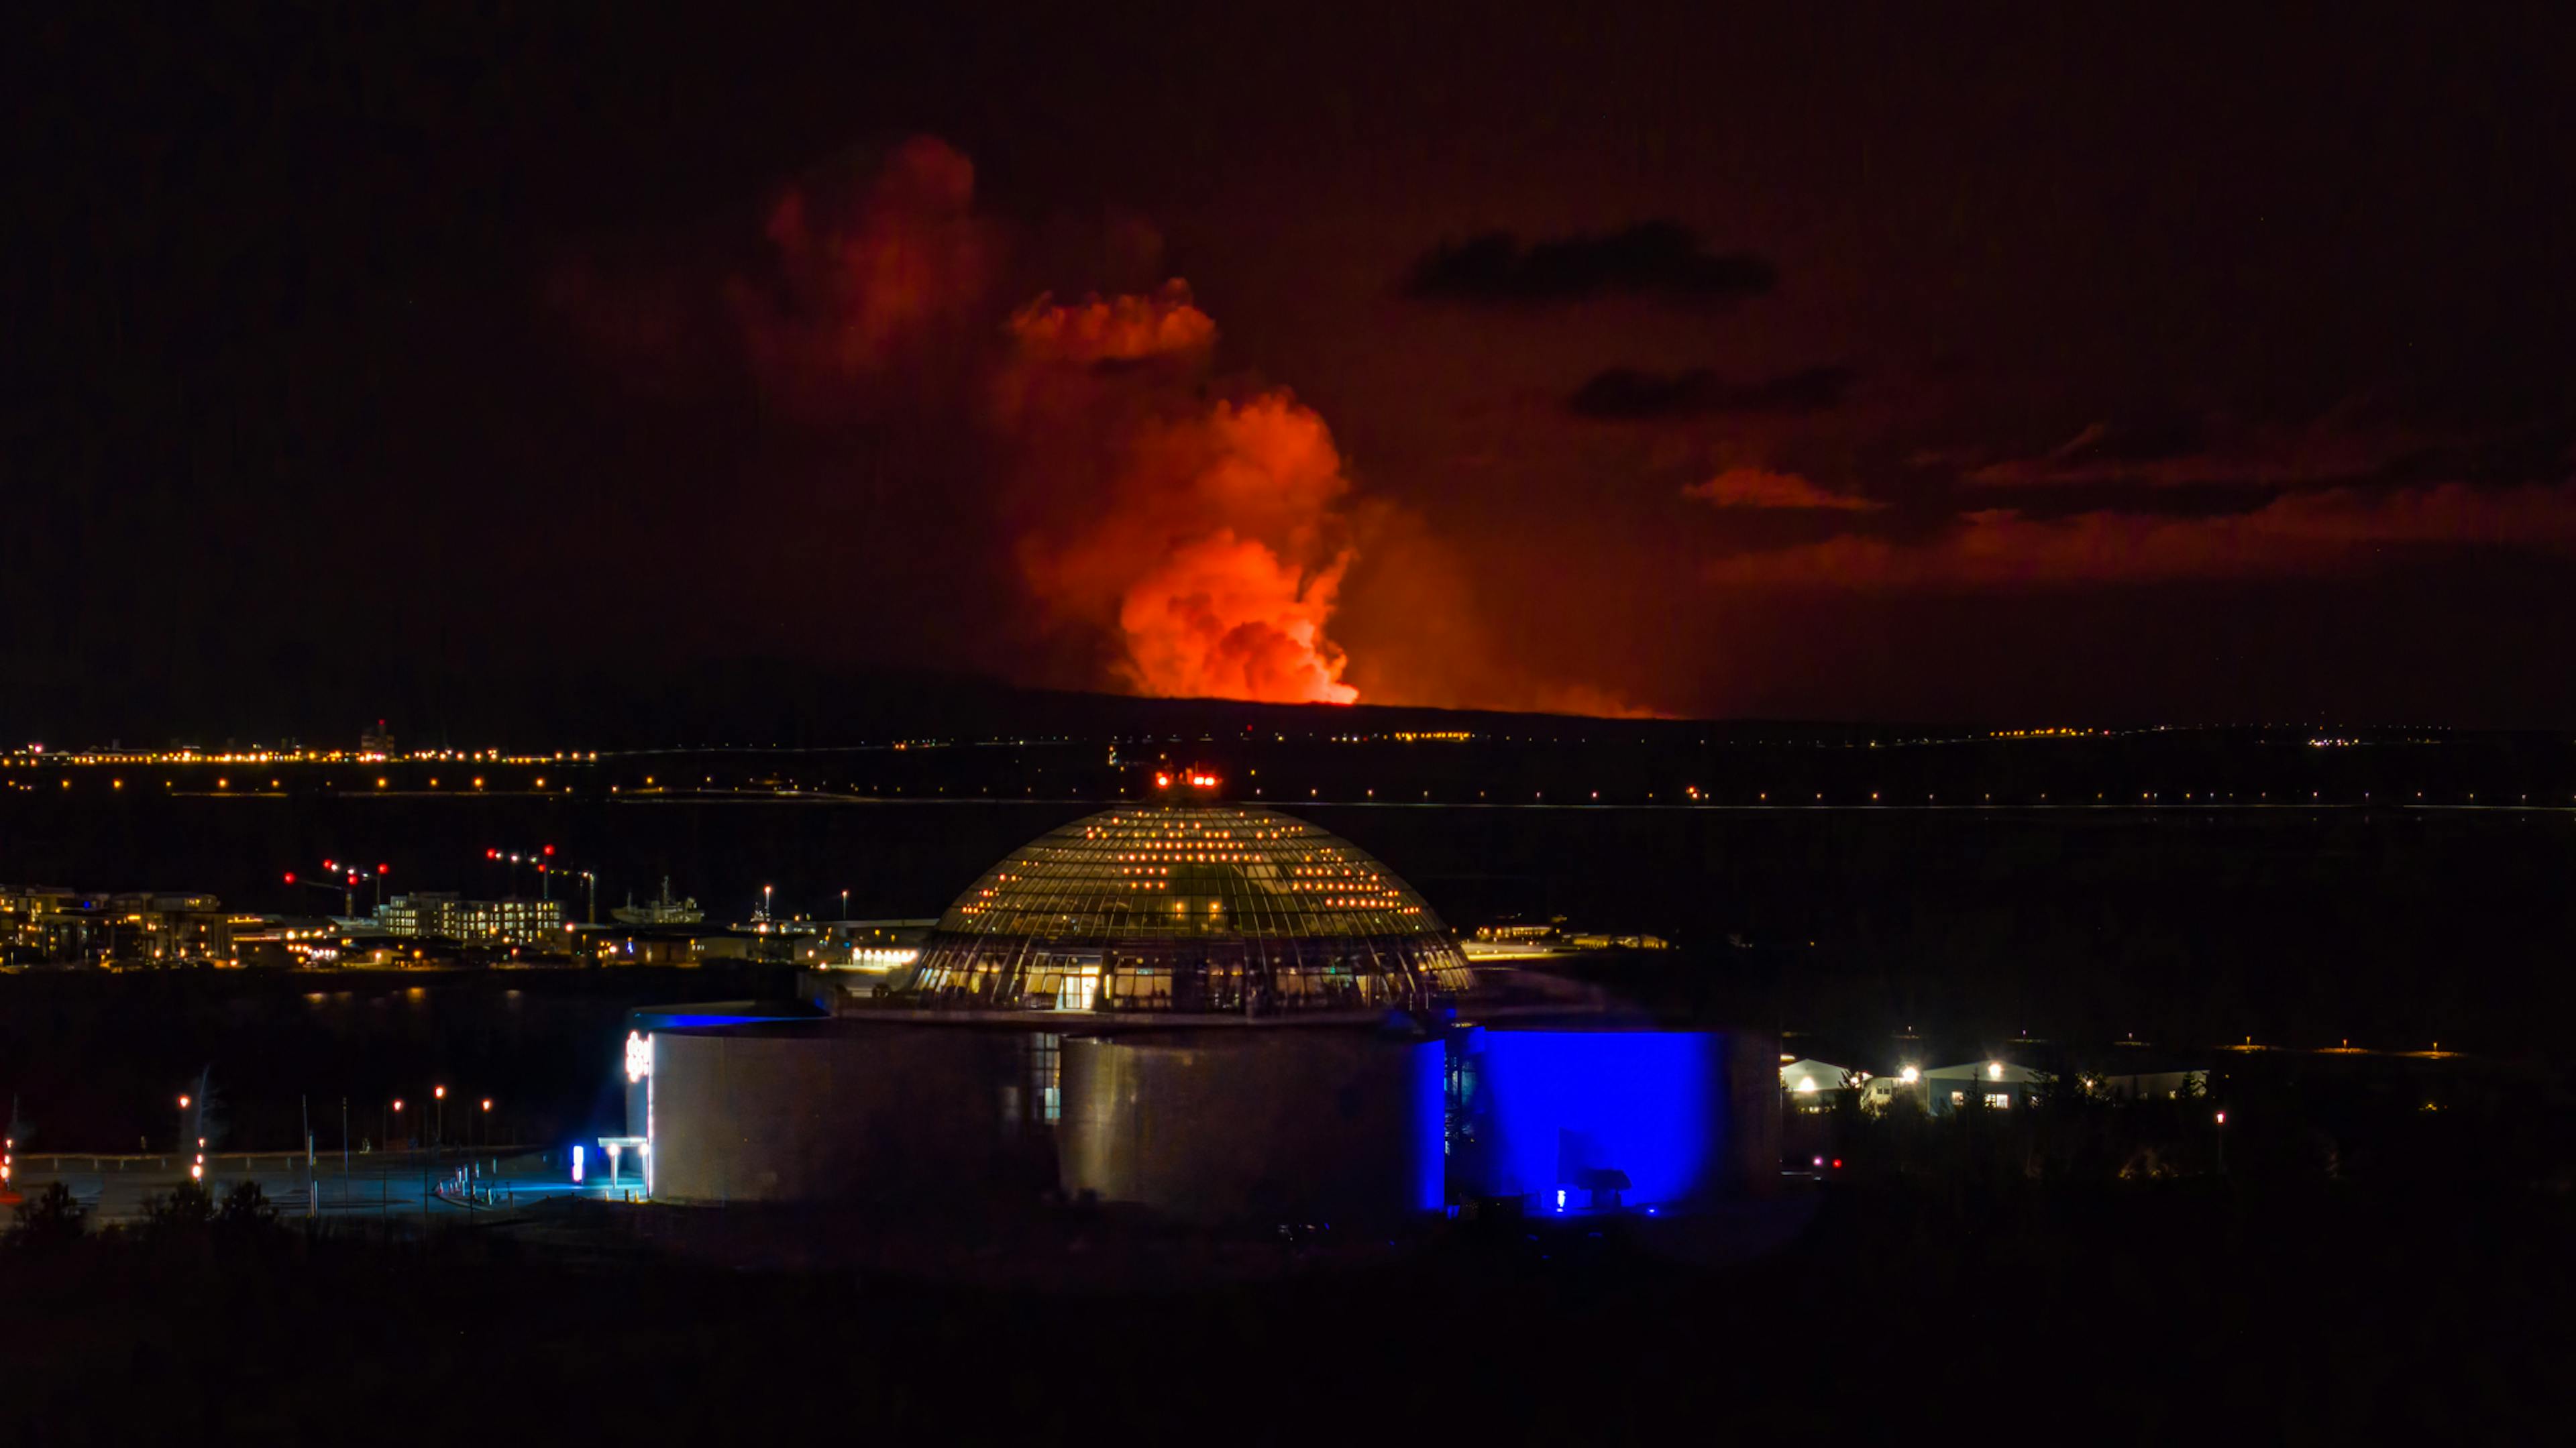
(1189, 908)
(1077, 1018)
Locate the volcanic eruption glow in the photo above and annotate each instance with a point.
(1211, 545)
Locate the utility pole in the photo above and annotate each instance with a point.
(384, 1187)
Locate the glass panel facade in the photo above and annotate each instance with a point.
(1223, 908)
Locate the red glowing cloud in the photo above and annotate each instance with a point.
(863, 281)
(1761, 488)
(2312, 532)
(1119, 329)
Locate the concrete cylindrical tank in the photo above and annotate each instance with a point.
(828, 1112)
(1248, 1126)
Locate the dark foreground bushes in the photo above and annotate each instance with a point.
(2142, 1311)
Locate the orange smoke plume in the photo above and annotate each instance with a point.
(1224, 617)
(1202, 538)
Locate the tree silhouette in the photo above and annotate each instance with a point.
(185, 1208)
(246, 1210)
(48, 1219)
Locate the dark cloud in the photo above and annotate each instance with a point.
(1625, 394)
(2301, 533)
(2348, 444)
(1661, 259)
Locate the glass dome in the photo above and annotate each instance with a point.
(1192, 908)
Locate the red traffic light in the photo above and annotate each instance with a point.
(550, 849)
(384, 869)
(491, 854)
(330, 865)
(290, 877)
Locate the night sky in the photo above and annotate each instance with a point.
(2062, 365)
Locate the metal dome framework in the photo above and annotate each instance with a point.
(1197, 908)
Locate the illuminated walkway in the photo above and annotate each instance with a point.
(113, 1188)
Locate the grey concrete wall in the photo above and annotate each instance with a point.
(813, 1114)
(1254, 1126)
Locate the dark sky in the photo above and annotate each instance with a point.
(2057, 364)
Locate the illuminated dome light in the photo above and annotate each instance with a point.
(1189, 908)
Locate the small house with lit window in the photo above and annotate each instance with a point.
(2000, 1085)
(1811, 1085)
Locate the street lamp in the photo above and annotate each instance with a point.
(384, 1191)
